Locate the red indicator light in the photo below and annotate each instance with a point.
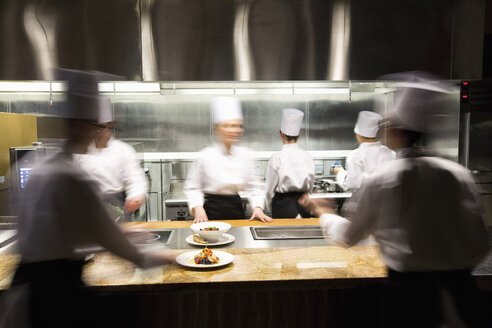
(465, 83)
(464, 96)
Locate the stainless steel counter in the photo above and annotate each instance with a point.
(244, 239)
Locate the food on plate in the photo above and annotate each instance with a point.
(199, 239)
(206, 257)
(210, 229)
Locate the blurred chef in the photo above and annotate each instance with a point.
(370, 155)
(290, 172)
(223, 169)
(423, 212)
(115, 166)
(60, 214)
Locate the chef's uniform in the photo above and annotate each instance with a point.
(368, 156)
(423, 213)
(217, 177)
(61, 213)
(290, 172)
(116, 167)
(117, 171)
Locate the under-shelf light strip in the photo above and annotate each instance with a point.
(146, 87)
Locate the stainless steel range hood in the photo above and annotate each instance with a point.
(241, 40)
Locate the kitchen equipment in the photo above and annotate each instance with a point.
(327, 185)
(23, 160)
(287, 232)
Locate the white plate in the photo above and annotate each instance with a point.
(186, 259)
(225, 239)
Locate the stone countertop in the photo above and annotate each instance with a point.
(280, 266)
(250, 265)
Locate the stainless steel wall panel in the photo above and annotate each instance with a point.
(82, 34)
(16, 58)
(331, 123)
(163, 123)
(262, 117)
(193, 39)
(236, 40)
(394, 36)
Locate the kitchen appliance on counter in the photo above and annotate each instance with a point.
(23, 160)
(326, 185)
(175, 205)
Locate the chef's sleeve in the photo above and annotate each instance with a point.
(91, 224)
(193, 188)
(271, 181)
(348, 231)
(135, 181)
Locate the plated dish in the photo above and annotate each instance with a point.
(225, 239)
(210, 231)
(188, 259)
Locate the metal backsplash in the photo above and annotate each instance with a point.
(179, 120)
(182, 123)
(241, 40)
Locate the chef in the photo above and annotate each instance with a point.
(423, 213)
(62, 213)
(370, 155)
(115, 166)
(290, 172)
(223, 169)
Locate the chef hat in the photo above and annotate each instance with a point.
(225, 109)
(367, 124)
(291, 121)
(106, 110)
(83, 100)
(416, 100)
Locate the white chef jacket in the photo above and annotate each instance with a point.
(115, 168)
(61, 212)
(216, 172)
(421, 210)
(363, 161)
(289, 170)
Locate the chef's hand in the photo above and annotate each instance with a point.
(200, 214)
(131, 205)
(259, 214)
(317, 206)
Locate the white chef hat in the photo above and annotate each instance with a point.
(106, 110)
(225, 109)
(367, 124)
(416, 100)
(82, 94)
(291, 121)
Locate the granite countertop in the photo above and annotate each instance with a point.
(279, 265)
(249, 265)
